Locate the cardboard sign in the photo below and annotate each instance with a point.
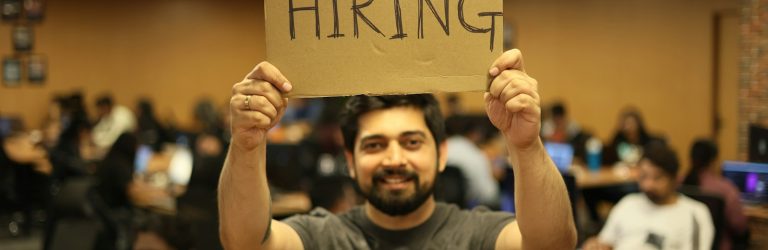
(349, 47)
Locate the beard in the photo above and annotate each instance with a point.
(396, 202)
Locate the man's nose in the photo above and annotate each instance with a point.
(394, 157)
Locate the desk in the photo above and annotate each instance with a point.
(607, 176)
(758, 225)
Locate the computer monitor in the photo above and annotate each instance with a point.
(751, 179)
(8, 125)
(562, 155)
(143, 154)
(758, 144)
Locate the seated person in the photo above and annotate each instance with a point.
(334, 193)
(630, 138)
(660, 217)
(465, 135)
(704, 175)
(559, 127)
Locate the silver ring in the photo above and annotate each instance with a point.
(248, 102)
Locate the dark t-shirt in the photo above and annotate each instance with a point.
(448, 228)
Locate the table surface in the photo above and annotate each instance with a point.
(606, 176)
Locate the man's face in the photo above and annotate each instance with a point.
(657, 185)
(102, 110)
(395, 160)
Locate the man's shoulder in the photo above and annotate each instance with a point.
(692, 204)
(320, 215)
(478, 216)
(632, 199)
(324, 230)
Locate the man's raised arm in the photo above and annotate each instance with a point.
(544, 216)
(257, 104)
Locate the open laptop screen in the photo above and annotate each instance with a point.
(562, 155)
(750, 178)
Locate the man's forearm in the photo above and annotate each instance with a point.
(244, 200)
(541, 200)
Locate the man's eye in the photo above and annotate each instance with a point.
(373, 146)
(413, 144)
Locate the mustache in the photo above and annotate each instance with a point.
(380, 174)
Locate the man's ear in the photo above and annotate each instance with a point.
(350, 163)
(443, 155)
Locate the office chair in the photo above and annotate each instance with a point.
(716, 205)
(451, 186)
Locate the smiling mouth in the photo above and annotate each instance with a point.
(395, 181)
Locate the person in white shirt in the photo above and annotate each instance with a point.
(659, 217)
(464, 153)
(113, 120)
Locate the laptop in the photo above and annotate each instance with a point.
(751, 179)
(562, 155)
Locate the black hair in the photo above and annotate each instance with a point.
(663, 158)
(360, 105)
(558, 110)
(326, 191)
(643, 136)
(105, 101)
(703, 153)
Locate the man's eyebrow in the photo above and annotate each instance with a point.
(403, 134)
(415, 132)
(372, 137)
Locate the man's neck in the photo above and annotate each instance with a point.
(401, 222)
(671, 200)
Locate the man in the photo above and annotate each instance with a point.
(559, 128)
(113, 121)
(395, 147)
(660, 217)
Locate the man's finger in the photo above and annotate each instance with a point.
(261, 88)
(255, 103)
(502, 80)
(256, 120)
(265, 71)
(512, 59)
(521, 103)
(514, 90)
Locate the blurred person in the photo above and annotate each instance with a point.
(149, 130)
(659, 217)
(334, 193)
(24, 179)
(466, 133)
(163, 232)
(207, 118)
(114, 178)
(70, 156)
(395, 148)
(704, 174)
(112, 121)
(559, 127)
(115, 173)
(630, 137)
(52, 122)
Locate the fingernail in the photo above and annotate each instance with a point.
(287, 86)
(494, 71)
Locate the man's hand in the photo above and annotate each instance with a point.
(257, 104)
(512, 101)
